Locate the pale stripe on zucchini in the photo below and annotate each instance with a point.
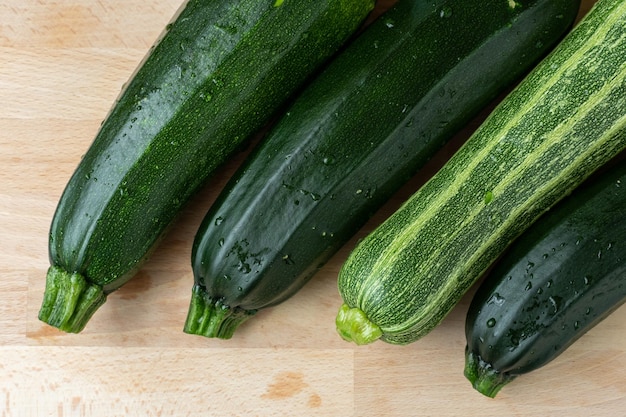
(565, 120)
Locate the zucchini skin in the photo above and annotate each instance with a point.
(566, 119)
(216, 76)
(374, 116)
(558, 280)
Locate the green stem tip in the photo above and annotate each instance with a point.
(211, 318)
(69, 300)
(484, 378)
(354, 326)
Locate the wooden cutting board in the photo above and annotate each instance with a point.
(62, 63)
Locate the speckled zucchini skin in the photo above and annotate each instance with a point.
(216, 76)
(564, 121)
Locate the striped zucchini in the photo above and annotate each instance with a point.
(565, 120)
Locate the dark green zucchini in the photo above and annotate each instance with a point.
(216, 76)
(564, 121)
(375, 115)
(563, 276)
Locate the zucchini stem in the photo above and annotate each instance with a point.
(69, 300)
(211, 318)
(354, 326)
(484, 378)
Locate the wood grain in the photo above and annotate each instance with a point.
(62, 64)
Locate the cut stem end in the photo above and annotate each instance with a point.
(211, 318)
(484, 378)
(69, 300)
(354, 326)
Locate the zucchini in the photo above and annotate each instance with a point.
(363, 127)
(563, 276)
(216, 76)
(566, 119)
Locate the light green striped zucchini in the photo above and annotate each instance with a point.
(565, 120)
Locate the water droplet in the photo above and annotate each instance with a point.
(221, 242)
(219, 221)
(239, 289)
(491, 322)
(529, 286)
(445, 12)
(496, 299)
(556, 302)
(389, 23)
(287, 259)
(244, 267)
(328, 160)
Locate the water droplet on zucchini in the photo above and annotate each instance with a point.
(496, 299)
(287, 259)
(556, 302)
(445, 12)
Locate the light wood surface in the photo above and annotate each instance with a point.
(62, 63)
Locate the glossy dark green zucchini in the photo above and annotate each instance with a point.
(216, 76)
(560, 278)
(376, 114)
